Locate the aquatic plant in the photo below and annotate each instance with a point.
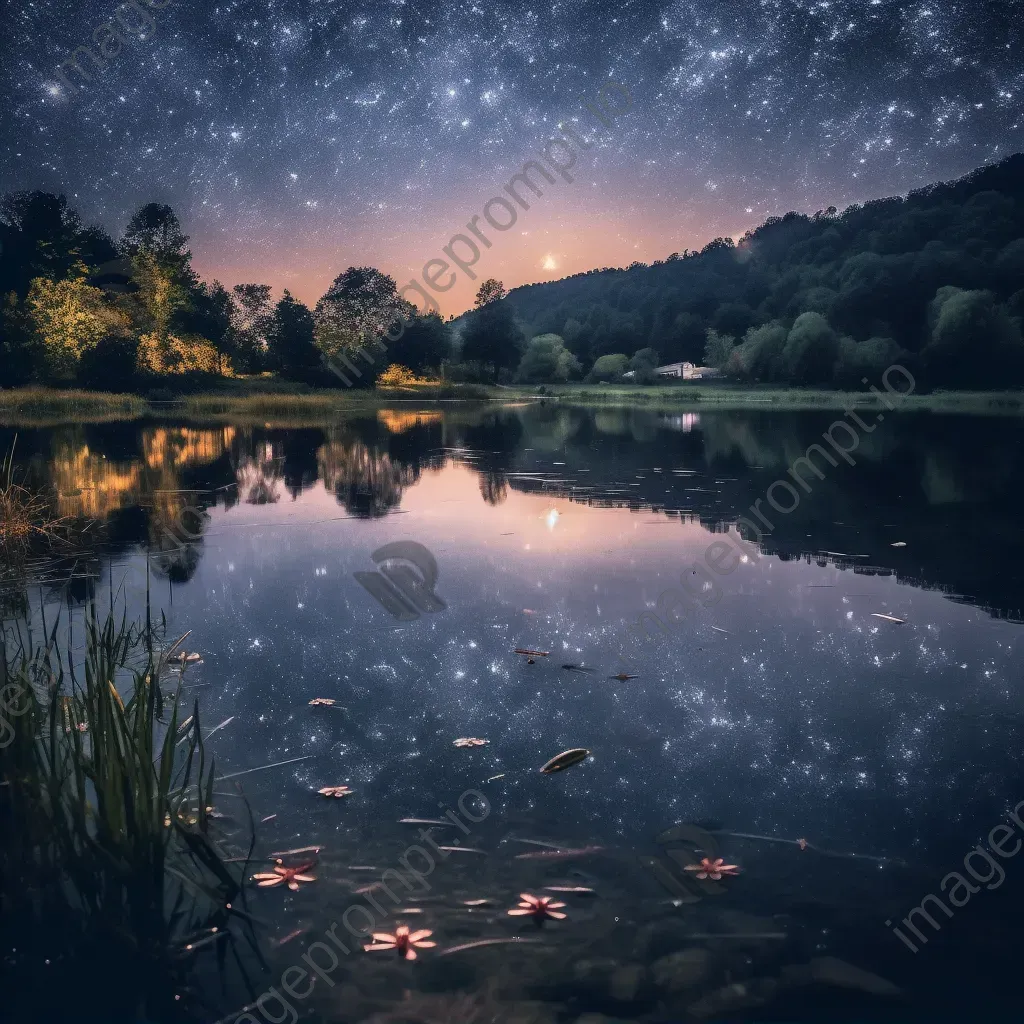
(282, 874)
(27, 520)
(538, 907)
(403, 942)
(335, 791)
(713, 868)
(112, 871)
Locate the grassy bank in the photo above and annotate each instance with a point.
(719, 395)
(46, 406)
(277, 403)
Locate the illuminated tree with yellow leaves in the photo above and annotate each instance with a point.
(70, 317)
(173, 354)
(158, 298)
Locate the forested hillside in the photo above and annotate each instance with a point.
(936, 278)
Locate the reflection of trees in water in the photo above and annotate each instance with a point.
(88, 484)
(493, 487)
(175, 535)
(299, 462)
(494, 441)
(923, 479)
(776, 440)
(367, 483)
(947, 485)
(257, 475)
(550, 427)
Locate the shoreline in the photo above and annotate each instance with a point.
(723, 397)
(43, 407)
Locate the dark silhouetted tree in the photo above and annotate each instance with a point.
(292, 350)
(490, 291)
(493, 339)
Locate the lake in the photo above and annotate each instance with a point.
(828, 696)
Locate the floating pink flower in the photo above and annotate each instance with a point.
(290, 876)
(403, 942)
(537, 907)
(713, 869)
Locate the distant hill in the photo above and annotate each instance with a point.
(934, 277)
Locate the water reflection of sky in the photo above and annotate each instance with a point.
(806, 716)
(785, 708)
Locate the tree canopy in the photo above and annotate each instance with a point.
(933, 280)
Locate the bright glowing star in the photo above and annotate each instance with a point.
(550, 263)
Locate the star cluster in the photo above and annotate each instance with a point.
(294, 139)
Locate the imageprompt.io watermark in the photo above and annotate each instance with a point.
(133, 21)
(10, 694)
(404, 582)
(464, 248)
(726, 552)
(361, 919)
(955, 886)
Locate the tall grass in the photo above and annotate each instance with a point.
(28, 523)
(42, 407)
(113, 874)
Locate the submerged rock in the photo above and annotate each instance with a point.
(830, 970)
(682, 970)
(626, 983)
(739, 996)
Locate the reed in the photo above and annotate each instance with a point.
(114, 878)
(28, 522)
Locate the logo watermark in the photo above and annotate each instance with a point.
(463, 250)
(725, 554)
(685, 847)
(404, 583)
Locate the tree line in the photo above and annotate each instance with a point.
(934, 280)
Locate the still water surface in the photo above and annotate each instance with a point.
(778, 706)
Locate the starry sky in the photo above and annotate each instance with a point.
(296, 138)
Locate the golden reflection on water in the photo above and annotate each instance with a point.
(398, 421)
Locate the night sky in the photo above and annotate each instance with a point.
(296, 138)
